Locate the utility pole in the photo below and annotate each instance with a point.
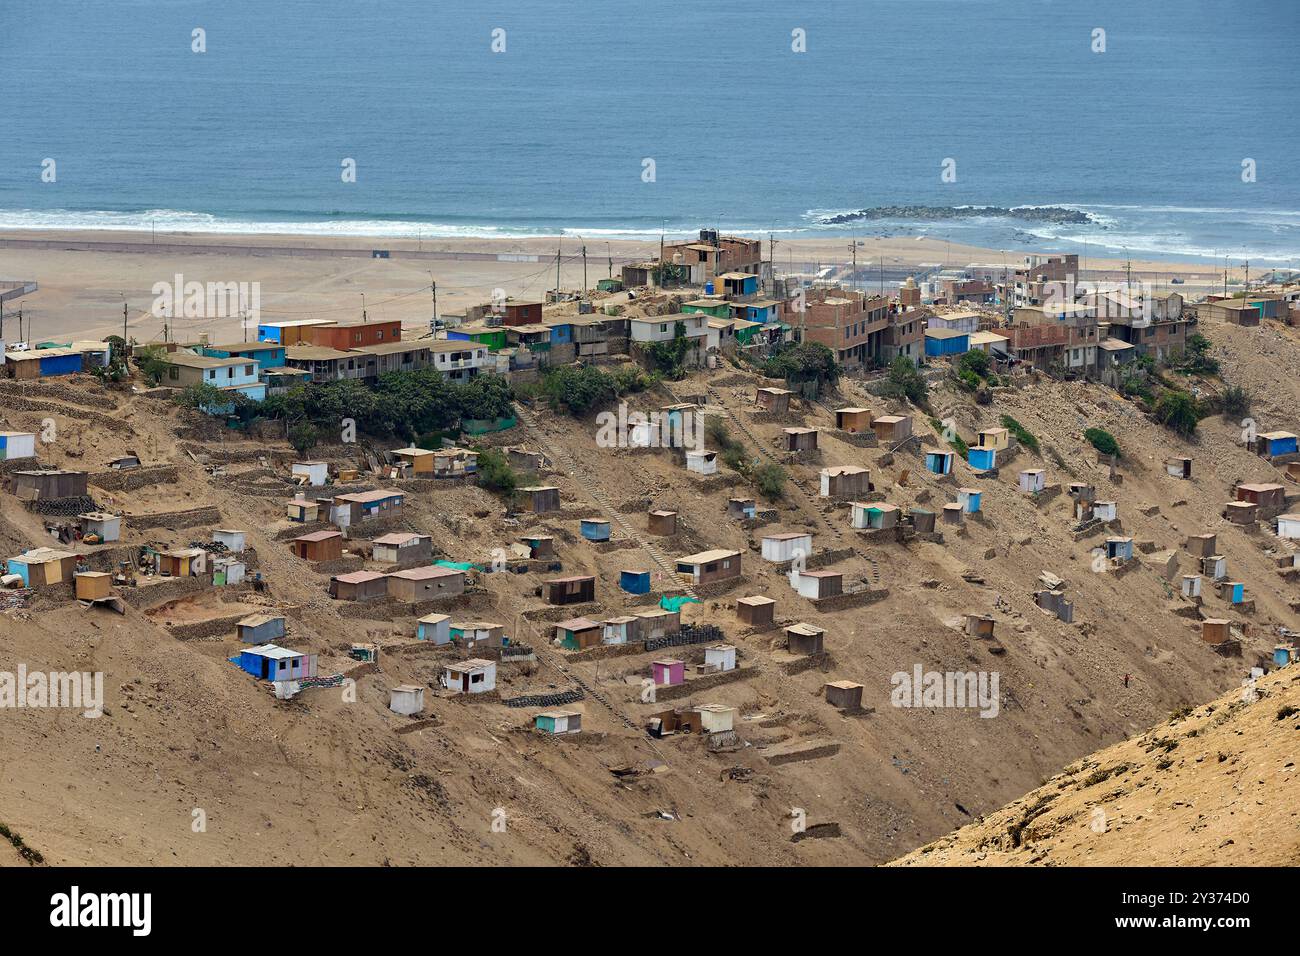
(853, 277)
(364, 316)
(433, 285)
(557, 272)
(124, 325)
(610, 252)
(584, 269)
(20, 322)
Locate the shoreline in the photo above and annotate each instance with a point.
(898, 251)
(87, 277)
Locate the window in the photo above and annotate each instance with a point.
(663, 326)
(173, 373)
(230, 371)
(380, 335)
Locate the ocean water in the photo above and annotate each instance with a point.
(552, 134)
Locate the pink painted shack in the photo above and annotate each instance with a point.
(668, 672)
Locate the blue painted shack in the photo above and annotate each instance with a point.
(267, 354)
(969, 499)
(1236, 592)
(595, 529)
(939, 462)
(634, 582)
(435, 628)
(1119, 548)
(269, 662)
(44, 363)
(1272, 444)
(982, 459)
(945, 342)
(561, 333)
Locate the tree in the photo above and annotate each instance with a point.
(152, 362)
(1235, 401)
(303, 437)
(804, 362)
(904, 381)
(1178, 411)
(495, 473)
(1197, 359)
(579, 388)
(976, 362)
(204, 397)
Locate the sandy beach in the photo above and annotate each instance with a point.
(86, 277)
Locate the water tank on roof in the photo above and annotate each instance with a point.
(708, 288)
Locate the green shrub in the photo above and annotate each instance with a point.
(151, 360)
(905, 381)
(976, 362)
(1235, 401)
(1178, 411)
(770, 480)
(303, 437)
(495, 473)
(579, 388)
(802, 363)
(1103, 441)
(1022, 434)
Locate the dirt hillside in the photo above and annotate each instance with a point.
(324, 780)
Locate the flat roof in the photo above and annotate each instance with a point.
(399, 537)
(944, 334)
(704, 557)
(577, 624)
(43, 555)
(189, 360)
(391, 348)
(473, 664)
(359, 577)
(364, 497)
(257, 620)
(317, 535)
(315, 353)
(426, 573)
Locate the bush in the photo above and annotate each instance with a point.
(1178, 411)
(152, 362)
(1235, 401)
(1196, 359)
(303, 437)
(770, 481)
(1103, 441)
(495, 473)
(666, 357)
(802, 363)
(579, 388)
(957, 442)
(202, 396)
(905, 381)
(1022, 434)
(975, 362)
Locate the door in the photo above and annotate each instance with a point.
(464, 683)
